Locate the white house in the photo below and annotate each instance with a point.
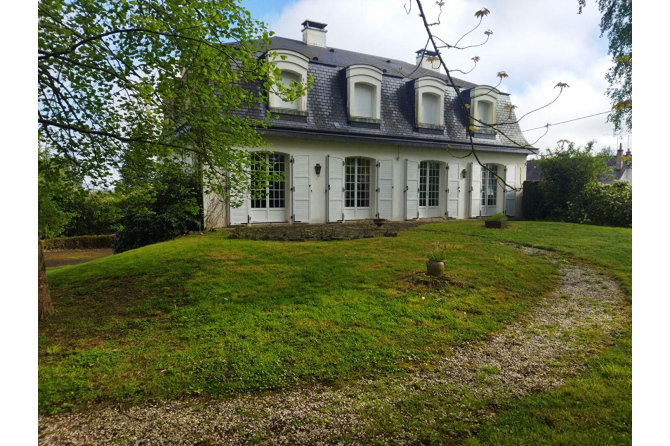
(379, 138)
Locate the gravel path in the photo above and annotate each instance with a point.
(533, 354)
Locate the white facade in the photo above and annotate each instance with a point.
(392, 175)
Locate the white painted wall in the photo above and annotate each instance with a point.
(319, 149)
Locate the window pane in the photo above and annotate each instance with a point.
(363, 183)
(276, 189)
(364, 96)
(423, 180)
(433, 184)
(286, 77)
(350, 182)
(429, 109)
(484, 112)
(258, 186)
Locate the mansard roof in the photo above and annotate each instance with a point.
(327, 105)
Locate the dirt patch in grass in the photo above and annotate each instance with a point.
(444, 401)
(74, 256)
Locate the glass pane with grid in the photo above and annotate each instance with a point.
(350, 182)
(433, 184)
(276, 189)
(492, 186)
(258, 186)
(363, 183)
(423, 181)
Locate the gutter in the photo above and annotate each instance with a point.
(333, 136)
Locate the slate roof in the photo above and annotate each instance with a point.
(327, 105)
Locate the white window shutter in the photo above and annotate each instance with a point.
(453, 189)
(475, 189)
(335, 189)
(510, 194)
(301, 188)
(385, 189)
(411, 190)
(240, 215)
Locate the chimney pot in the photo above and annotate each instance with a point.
(422, 57)
(314, 33)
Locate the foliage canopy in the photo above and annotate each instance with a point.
(617, 23)
(565, 173)
(141, 82)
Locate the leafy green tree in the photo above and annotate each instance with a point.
(617, 23)
(566, 172)
(150, 82)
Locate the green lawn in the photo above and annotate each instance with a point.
(204, 315)
(595, 409)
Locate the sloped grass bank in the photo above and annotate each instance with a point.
(204, 315)
(595, 409)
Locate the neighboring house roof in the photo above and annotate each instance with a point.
(327, 105)
(534, 173)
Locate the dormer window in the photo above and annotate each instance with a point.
(293, 68)
(429, 103)
(364, 86)
(364, 100)
(483, 103)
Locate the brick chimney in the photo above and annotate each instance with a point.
(422, 57)
(314, 33)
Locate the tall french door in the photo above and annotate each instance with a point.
(357, 179)
(268, 198)
(489, 193)
(429, 189)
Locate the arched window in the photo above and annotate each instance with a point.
(364, 85)
(483, 103)
(293, 68)
(268, 194)
(429, 103)
(357, 183)
(429, 184)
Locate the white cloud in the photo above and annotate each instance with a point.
(538, 43)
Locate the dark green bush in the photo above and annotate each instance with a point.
(82, 242)
(166, 207)
(603, 204)
(533, 204)
(565, 173)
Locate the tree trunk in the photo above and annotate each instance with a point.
(46, 308)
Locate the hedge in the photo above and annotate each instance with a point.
(81, 242)
(533, 202)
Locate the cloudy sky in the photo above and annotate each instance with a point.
(538, 43)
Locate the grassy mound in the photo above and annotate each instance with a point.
(204, 315)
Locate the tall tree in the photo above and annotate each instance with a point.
(140, 83)
(617, 23)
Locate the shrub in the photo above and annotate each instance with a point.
(497, 217)
(565, 173)
(603, 204)
(165, 208)
(533, 203)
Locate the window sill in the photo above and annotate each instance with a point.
(369, 123)
(430, 129)
(287, 111)
(484, 134)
